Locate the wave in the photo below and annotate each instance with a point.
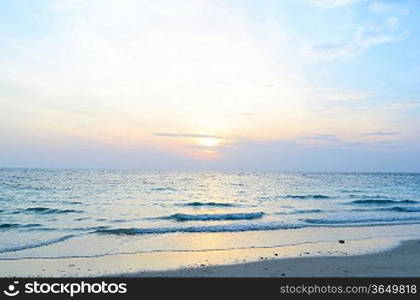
(383, 201)
(358, 221)
(14, 225)
(160, 189)
(308, 211)
(260, 226)
(7, 226)
(46, 210)
(215, 217)
(198, 229)
(401, 209)
(301, 211)
(368, 197)
(19, 186)
(37, 244)
(72, 202)
(217, 204)
(316, 196)
(351, 191)
(393, 208)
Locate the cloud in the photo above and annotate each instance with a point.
(185, 135)
(330, 51)
(146, 74)
(392, 23)
(366, 37)
(322, 137)
(374, 35)
(341, 95)
(335, 3)
(404, 104)
(380, 7)
(118, 72)
(248, 115)
(383, 133)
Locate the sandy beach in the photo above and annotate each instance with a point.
(402, 261)
(374, 257)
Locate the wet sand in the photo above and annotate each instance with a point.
(401, 261)
(363, 251)
(322, 259)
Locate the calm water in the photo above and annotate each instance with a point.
(60, 213)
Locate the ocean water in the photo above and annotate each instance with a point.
(83, 213)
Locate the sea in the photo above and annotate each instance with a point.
(53, 213)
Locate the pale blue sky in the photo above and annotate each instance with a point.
(294, 85)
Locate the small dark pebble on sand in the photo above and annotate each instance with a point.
(341, 241)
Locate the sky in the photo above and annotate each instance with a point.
(264, 85)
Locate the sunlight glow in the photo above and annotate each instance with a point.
(209, 141)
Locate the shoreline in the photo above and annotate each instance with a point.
(365, 251)
(400, 261)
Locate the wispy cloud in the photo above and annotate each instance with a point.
(341, 95)
(374, 35)
(388, 144)
(383, 133)
(404, 104)
(248, 115)
(185, 135)
(381, 7)
(367, 36)
(333, 50)
(321, 137)
(334, 3)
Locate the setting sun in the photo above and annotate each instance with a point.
(209, 141)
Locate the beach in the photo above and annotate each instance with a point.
(369, 257)
(402, 261)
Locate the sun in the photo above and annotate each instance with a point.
(209, 141)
